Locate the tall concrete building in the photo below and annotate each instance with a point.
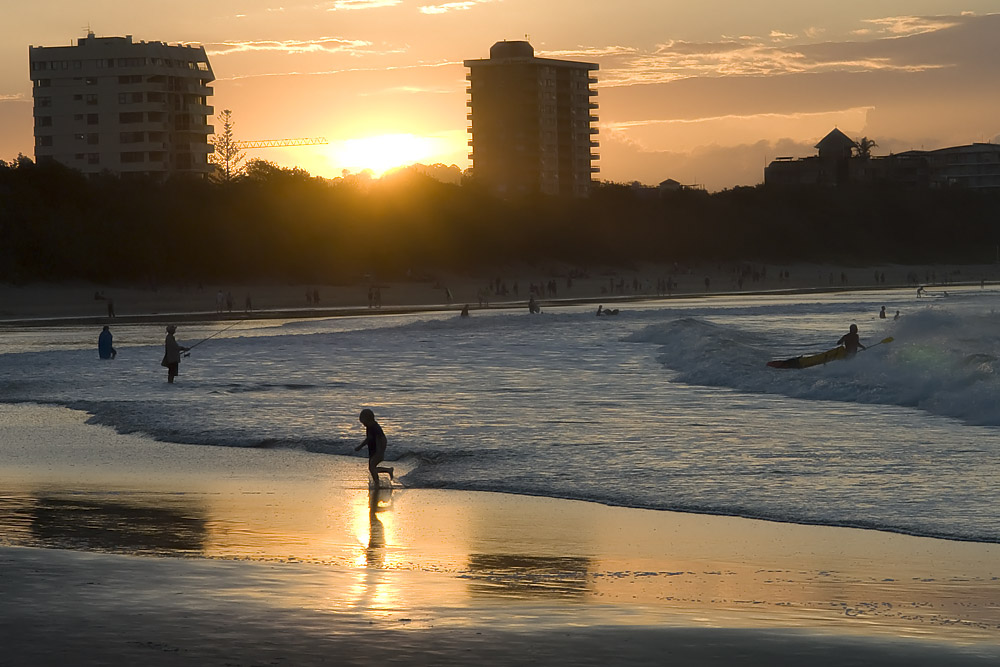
(532, 122)
(112, 104)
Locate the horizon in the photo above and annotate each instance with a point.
(703, 95)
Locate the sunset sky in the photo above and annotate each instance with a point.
(702, 92)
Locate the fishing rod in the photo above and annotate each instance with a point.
(188, 353)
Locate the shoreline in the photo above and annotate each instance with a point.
(75, 303)
(126, 546)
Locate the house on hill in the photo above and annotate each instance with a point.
(840, 161)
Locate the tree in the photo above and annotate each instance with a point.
(228, 157)
(863, 147)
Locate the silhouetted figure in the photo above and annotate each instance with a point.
(897, 315)
(105, 340)
(881, 313)
(248, 305)
(172, 353)
(465, 311)
(376, 442)
(111, 308)
(533, 306)
(851, 341)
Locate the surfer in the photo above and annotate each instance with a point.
(376, 441)
(172, 353)
(851, 341)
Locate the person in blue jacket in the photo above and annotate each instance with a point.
(105, 350)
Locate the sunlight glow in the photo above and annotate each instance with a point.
(382, 152)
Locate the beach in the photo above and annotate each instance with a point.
(127, 538)
(191, 302)
(120, 549)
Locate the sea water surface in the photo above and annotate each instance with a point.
(668, 405)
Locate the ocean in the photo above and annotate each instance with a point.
(667, 406)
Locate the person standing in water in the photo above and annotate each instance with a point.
(376, 442)
(172, 353)
(105, 344)
(851, 341)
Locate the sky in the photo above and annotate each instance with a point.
(703, 92)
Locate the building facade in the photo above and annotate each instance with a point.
(532, 122)
(975, 166)
(111, 104)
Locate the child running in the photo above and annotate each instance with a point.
(375, 439)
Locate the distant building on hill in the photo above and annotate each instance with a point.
(112, 104)
(532, 122)
(838, 163)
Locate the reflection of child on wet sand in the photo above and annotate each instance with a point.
(376, 441)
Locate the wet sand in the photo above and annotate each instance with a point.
(116, 549)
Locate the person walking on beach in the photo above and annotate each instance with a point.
(881, 313)
(376, 442)
(105, 349)
(172, 353)
(851, 341)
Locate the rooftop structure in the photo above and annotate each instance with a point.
(111, 104)
(532, 122)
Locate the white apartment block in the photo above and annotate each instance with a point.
(111, 104)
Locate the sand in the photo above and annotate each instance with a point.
(75, 301)
(119, 550)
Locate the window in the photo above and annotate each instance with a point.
(43, 83)
(93, 158)
(78, 98)
(91, 81)
(131, 137)
(133, 156)
(43, 141)
(130, 117)
(79, 136)
(93, 139)
(43, 101)
(91, 119)
(43, 121)
(91, 100)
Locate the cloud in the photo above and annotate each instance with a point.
(320, 45)
(901, 43)
(452, 6)
(902, 26)
(351, 5)
(13, 97)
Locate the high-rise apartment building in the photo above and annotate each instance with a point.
(109, 103)
(532, 122)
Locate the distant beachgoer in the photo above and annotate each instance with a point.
(920, 291)
(600, 310)
(881, 313)
(851, 341)
(172, 353)
(897, 315)
(111, 308)
(376, 442)
(465, 311)
(105, 349)
(248, 305)
(533, 305)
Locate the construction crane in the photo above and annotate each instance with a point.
(276, 143)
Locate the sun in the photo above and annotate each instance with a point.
(381, 153)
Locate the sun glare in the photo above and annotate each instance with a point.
(381, 153)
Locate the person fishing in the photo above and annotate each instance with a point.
(172, 353)
(851, 341)
(376, 442)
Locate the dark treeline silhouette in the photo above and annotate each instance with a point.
(273, 223)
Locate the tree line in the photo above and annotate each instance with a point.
(273, 223)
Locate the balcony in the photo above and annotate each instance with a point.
(593, 119)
